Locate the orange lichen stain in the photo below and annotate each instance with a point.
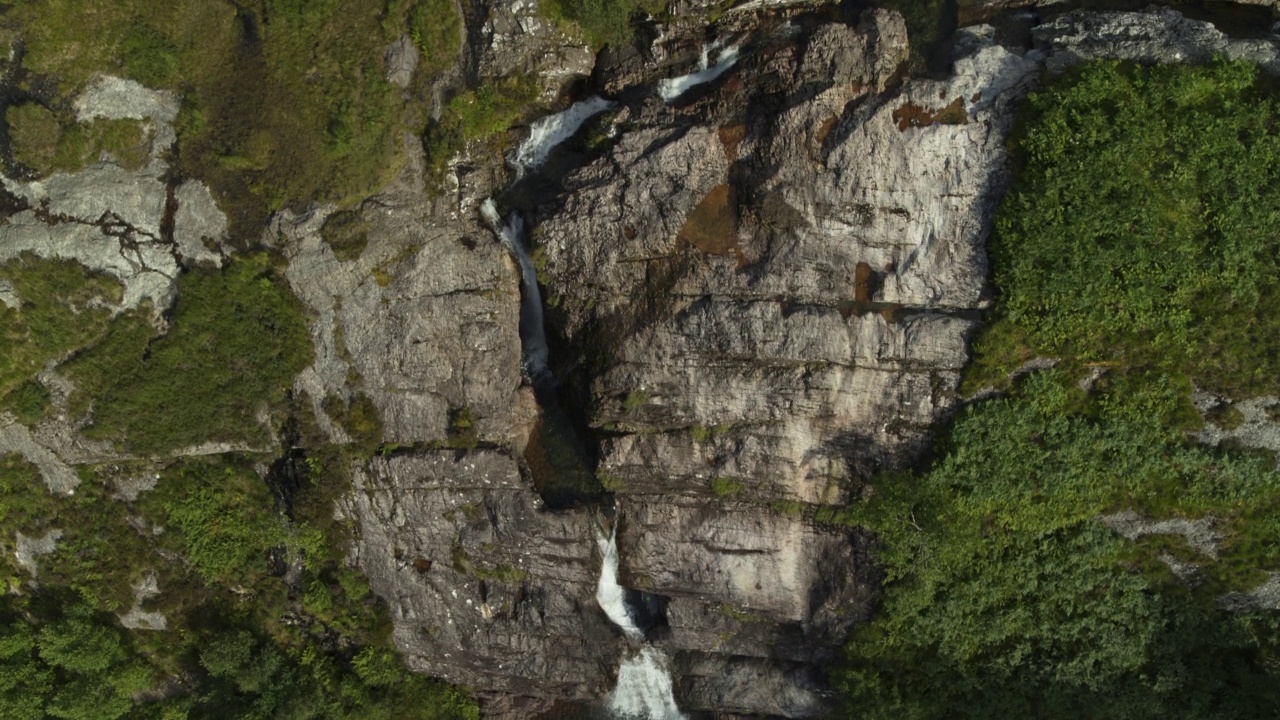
(731, 136)
(911, 115)
(712, 227)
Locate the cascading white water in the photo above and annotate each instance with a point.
(536, 354)
(608, 591)
(644, 689)
(673, 88)
(552, 130)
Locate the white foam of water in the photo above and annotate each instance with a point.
(673, 88)
(608, 591)
(552, 130)
(644, 689)
(535, 335)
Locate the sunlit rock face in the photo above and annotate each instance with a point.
(764, 282)
(770, 279)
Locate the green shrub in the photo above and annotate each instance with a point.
(35, 134)
(1145, 225)
(462, 431)
(604, 22)
(64, 307)
(28, 401)
(635, 400)
(347, 234)
(237, 340)
(480, 115)
(725, 487)
(225, 518)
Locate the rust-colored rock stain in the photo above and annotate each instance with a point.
(912, 115)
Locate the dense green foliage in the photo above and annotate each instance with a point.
(481, 115)
(265, 618)
(1139, 238)
(219, 563)
(1006, 598)
(236, 342)
(1145, 227)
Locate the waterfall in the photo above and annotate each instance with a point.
(644, 690)
(545, 134)
(608, 591)
(552, 130)
(531, 324)
(673, 88)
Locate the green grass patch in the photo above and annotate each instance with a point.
(725, 486)
(46, 143)
(237, 339)
(481, 115)
(283, 100)
(359, 418)
(635, 400)
(29, 401)
(347, 234)
(437, 30)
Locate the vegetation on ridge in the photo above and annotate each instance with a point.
(1140, 238)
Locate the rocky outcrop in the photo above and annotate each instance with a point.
(1162, 36)
(423, 319)
(485, 586)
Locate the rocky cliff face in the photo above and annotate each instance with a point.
(764, 287)
(758, 295)
(781, 270)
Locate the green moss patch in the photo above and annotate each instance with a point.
(283, 100)
(46, 143)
